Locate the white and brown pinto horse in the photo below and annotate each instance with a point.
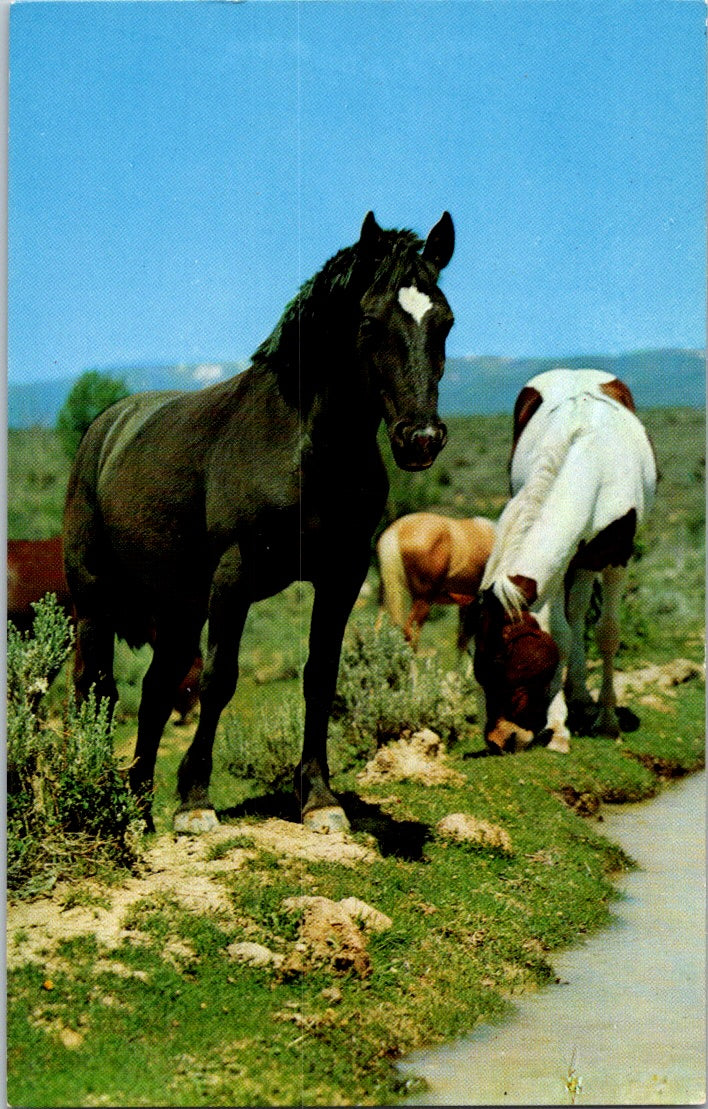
(427, 560)
(583, 474)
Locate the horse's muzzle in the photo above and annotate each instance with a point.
(416, 448)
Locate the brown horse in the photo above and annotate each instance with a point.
(36, 567)
(431, 560)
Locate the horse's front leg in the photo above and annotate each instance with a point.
(551, 618)
(228, 608)
(333, 603)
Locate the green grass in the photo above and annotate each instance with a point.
(472, 927)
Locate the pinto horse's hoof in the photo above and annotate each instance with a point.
(193, 822)
(330, 819)
(559, 743)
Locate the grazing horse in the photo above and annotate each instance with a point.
(186, 506)
(36, 567)
(427, 560)
(583, 474)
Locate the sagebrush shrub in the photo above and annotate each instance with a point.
(266, 753)
(68, 805)
(385, 689)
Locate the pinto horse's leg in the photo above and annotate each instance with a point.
(608, 637)
(228, 608)
(552, 619)
(333, 603)
(582, 709)
(173, 655)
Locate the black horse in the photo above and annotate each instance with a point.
(183, 506)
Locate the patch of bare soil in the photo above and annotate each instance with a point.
(174, 867)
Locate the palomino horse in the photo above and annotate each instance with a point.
(187, 505)
(583, 474)
(36, 567)
(427, 560)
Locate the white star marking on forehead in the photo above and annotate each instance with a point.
(415, 303)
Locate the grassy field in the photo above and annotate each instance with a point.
(163, 1012)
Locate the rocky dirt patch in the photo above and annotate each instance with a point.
(175, 867)
(420, 757)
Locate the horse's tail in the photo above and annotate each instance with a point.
(395, 598)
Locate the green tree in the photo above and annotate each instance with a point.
(90, 395)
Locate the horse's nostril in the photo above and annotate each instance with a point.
(427, 436)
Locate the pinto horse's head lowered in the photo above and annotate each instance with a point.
(404, 322)
(514, 663)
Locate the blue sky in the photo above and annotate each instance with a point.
(177, 169)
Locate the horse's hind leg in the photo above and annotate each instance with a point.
(608, 638)
(173, 655)
(419, 613)
(93, 660)
(582, 710)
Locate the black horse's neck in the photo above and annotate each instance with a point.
(314, 342)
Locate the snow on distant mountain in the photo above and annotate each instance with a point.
(476, 384)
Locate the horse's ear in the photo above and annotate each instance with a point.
(440, 242)
(370, 237)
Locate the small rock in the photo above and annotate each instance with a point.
(371, 918)
(70, 1039)
(254, 954)
(194, 822)
(332, 993)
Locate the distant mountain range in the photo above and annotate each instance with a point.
(477, 384)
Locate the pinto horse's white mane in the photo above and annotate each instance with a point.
(519, 515)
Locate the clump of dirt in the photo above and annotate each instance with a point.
(420, 757)
(583, 802)
(177, 868)
(464, 828)
(663, 768)
(330, 935)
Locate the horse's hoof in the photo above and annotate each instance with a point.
(330, 819)
(560, 744)
(627, 720)
(193, 822)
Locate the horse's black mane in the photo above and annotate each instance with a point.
(329, 301)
